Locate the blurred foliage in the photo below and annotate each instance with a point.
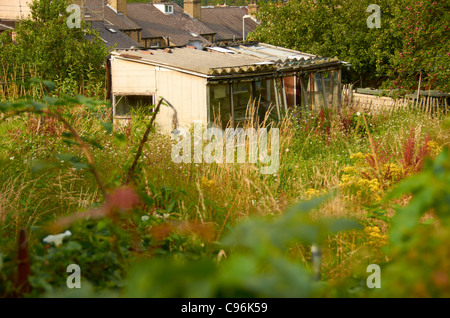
(419, 253)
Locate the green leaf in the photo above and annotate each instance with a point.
(49, 84)
(108, 126)
(82, 99)
(70, 142)
(50, 100)
(37, 106)
(39, 166)
(120, 139)
(66, 157)
(79, 165)
(344, 225)
(72, 246)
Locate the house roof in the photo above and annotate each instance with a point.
(217, 63)
(8, 23)
(227, 21)
(119, 20)
(113, 36)
(98, 10)
(93, 9)
(179, 27)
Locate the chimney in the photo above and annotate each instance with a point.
(252, 8)
(193, 8)
(119, 5)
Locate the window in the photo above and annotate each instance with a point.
(127, 105)
(220, 113)
(168, 9)
(252, 98)
(154, 44)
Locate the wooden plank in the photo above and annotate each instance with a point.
(304, 93)
(324, 94)
(446, 106)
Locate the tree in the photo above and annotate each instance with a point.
(339, 28)
(425, 46)
(47, 47)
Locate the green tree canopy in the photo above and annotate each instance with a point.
(413, 36)
(45, 46)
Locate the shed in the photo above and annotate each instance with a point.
(204, 85)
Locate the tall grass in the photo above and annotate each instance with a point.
(314, 150)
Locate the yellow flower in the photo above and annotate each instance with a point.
(313, 192)
(376, 229)
(433, 148)
(206, 183)
(376, 239)
(349, 170)
(395, 172)
(358, 156)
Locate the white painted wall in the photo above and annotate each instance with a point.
(186, 92)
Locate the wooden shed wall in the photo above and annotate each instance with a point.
(186, 92)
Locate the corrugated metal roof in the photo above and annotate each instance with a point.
(271, 52)
(194, 60)
(223, 63)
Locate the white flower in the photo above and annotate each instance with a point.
(358, 113)
(12, 158)
(57, 239)
(145, 217)
(287, 149)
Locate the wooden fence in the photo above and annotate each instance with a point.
(431, 103)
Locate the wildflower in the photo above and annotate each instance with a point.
(206, 183)
(393, 172)
(311, 192)
(375, 236)
(349, 170)
(57, 239)
(358, 114)
(145, 218)
(358, 156)
(12, 158)
(433, 148)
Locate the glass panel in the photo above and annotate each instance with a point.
(303, 86)
(318, 97)
(219, 102)
(265, 98)
(329, 80)
(242, 98)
